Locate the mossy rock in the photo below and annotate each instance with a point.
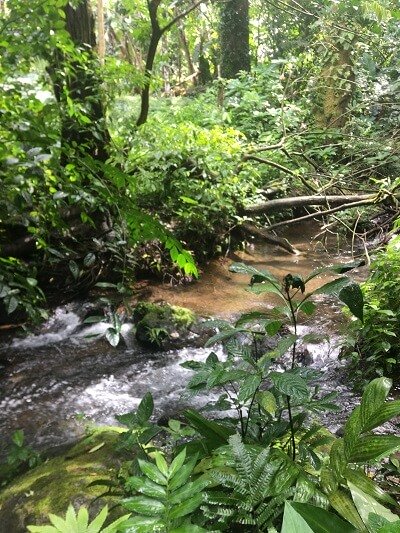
(50, 487)
(166, 327)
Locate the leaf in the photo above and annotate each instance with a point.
(112, 336)
(208, 428)
(18, 437)
(143, 524)
(12, 304)
(337, 458)
(223, 335)
(145, 408)
(273, 326)
(352, 296)
(322, 521)
(115, 526)
(251, 317)
(367, 504)
(74, 269)
(293, 522)
(177, 463)
(384, 414)
(241, 268)
(373, 448)
(89, 259)
(290, 384)
(161, 463)
(307, 307)
(152, 472)
(372, 401)
(187, 507)
(267, 401)
(144, 505)
(249, 387)
(145, 486)
(367, 485)
(343, 504)
(333, 287)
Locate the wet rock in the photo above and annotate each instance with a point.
(167, 327)
(50, 487)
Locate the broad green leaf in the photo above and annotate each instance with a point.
(307, 307)
(89, 259)
(186, 507)
(152, 472)
(189, 528)
(112, 336)
(273, 326)
(343, 504)
(388, 411)
(143, 505)
(293, 522)
(333, 287)
(145, 486)
(373, 399)
(12, 304)
(74, 268)
(142, 524)
(177, 463)
(58, 522)
(394, 527)
(251, 317)
(322, 521)
(223, 335)
(43, 529)
(183, 474)
(249, 387)
(337, 269)
(290, 384)
(117, 525)
(367, 504)
(241, 268)
(352, 296)
(208, 428)
(18, 437)
(83, 519)
(337, 458)
(267, 286)
(267, 401)
(145, 408)
(367, 485)
(373, 448)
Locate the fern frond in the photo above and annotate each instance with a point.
(243, 462)
(227, 480)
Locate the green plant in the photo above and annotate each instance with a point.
(374, 344)
(19, 458)
(79, 523)
(166, 495)
(254, 486)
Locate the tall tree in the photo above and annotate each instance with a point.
(77, 88)
(157, 31)
(234, 38)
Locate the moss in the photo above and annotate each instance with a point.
(50, 487)
(157, 325)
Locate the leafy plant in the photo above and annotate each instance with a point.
(79, 523)
(374, 344)
(166, 495)
(19, 457)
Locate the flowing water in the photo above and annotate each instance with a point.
(56, 382)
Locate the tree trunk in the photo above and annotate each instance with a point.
(234, 38)
(101, 47)
(145, 96)
(77, 86)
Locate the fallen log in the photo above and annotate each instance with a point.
(302, 201)
(269, 237)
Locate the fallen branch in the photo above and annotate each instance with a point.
(301, 201)
(319, 214)
(269, 237)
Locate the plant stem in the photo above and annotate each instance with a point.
(291, 428)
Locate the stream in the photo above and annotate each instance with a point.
(55, 383)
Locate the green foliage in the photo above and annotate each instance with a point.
(19, 458)
(167, 495)
(377, 345)
(79, 523)
(256, 486)
(19, 290)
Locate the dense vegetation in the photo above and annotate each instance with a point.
(158, 134)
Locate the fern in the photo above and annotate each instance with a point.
(257, 486)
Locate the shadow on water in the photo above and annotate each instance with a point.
(56, 382)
